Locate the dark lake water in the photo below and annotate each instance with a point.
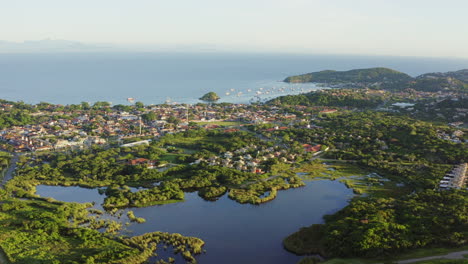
(233, 232)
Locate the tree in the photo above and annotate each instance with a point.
(173, 120)
(210, 97)
(122, 108)
(139, 105)
(99, 105)
(150, 116)
(192, 124)
(85, 106)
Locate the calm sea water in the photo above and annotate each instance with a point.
(233, 232)
(155, 77)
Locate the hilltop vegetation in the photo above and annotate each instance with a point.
(210, 97)
(336, 98)
(371, 75)
(461, 75)
(388, 79)
(434, 84)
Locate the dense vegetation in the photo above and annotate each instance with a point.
(461, 75)
(377, 227)
(15, 114)
(147, 243)
(210, 97)
(124, 197)
(380, 139)
(336, 98)
(438, 84)
(406, 151)
(39, 232)
(47, 231)
(384, 78)
(371, 75)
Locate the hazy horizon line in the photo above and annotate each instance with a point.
(72, 46)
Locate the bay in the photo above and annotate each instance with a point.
(153, 78)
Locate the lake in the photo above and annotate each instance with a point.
(154, 78)
(233, 232)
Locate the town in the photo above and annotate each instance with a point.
(384, 147)
(78, 126)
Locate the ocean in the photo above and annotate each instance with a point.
(154, 78)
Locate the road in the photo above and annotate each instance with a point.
(10, 170)
(453, 255)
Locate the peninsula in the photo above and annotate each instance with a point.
(384, 78)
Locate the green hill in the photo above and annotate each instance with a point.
(461, 75)
(435, 84)
(359, 98)
(367, 76)
(437, 81)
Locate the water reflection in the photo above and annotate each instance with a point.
(233, 232)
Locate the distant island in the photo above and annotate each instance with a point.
(387, 79)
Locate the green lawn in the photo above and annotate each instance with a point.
(221, 123)
(171, 157)
(186, 142)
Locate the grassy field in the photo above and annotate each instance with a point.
(355, 177)
(221, 123)
(187, 142)
(171, 157)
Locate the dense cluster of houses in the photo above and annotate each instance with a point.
(456, 178)
(78, 129)
(252, 157)
(455, 137)
(37, 138)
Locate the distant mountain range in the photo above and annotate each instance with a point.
(384, 78)
(58, 45)
(49, 45)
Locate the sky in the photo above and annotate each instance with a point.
(430, 28)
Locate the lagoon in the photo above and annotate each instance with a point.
(233, 232)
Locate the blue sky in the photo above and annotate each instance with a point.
(385, 27)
